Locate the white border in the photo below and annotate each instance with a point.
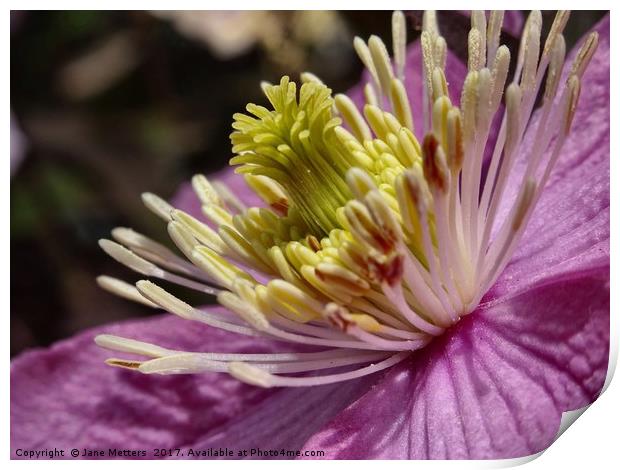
(592, 442)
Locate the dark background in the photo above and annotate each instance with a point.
(106, 105)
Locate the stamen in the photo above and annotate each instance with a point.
(476, 50)
(559, 23)
(429, 23)
(205, 191)
(400, 104)
(381, 59)
(585, 55)
(455, 141)
(479, 23)
(130, 259)
(556, 64)
(191, 363)
(494, 29)
(500, 73)
(574, 90)
(366, 57)
(252, 316)
(157, 205)
(370, 95)
(530, 57)
(534, 21)
(182, 237)
(227, 196)
(399, 43)
(217, 267)
(270, 192)
(250, 374)
(255, 376)
(174, 305)
(123, 363)
(353, 118)
(360, 182)
(123, 289)
(439, 84)
(131, 346)
(155, 252)
(201, 232)
(435, 168)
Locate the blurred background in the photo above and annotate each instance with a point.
(107, 105)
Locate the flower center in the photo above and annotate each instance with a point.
(371, 244)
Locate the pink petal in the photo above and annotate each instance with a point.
(513, 22)
(569, 230)
(186, 200)
(287, 418)
(494, 388)
(65, 397)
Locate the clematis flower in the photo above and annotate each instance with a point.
(472, 268)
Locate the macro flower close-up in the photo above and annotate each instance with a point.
(417, 268)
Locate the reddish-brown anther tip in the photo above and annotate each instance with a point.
(435, 169)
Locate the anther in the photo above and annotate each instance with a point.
(556, 65)
(435, 168)
(370, 96)
(455, 151)
(165, 300)
(475, 53)
(494, 29)
(217, 267)
(513, 107)
(523, 204)
(123, 363)
(352, 117)
(194, 230)
(500, 73)
(335, 315)
(250, 374)
(399, 42)
(123, 289)
(400, 103)
(584, 55)
(429, 22)
(343, 278)
(248, 313)
(385, 268)
(131, 346)
(479, 22)
(130, 259)
(182, 237)
(558, 25)
(469, 105)
(439, 84)
(270, 191)
(157, 205)
(574, 90)
(360, 182)
(365, 56)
